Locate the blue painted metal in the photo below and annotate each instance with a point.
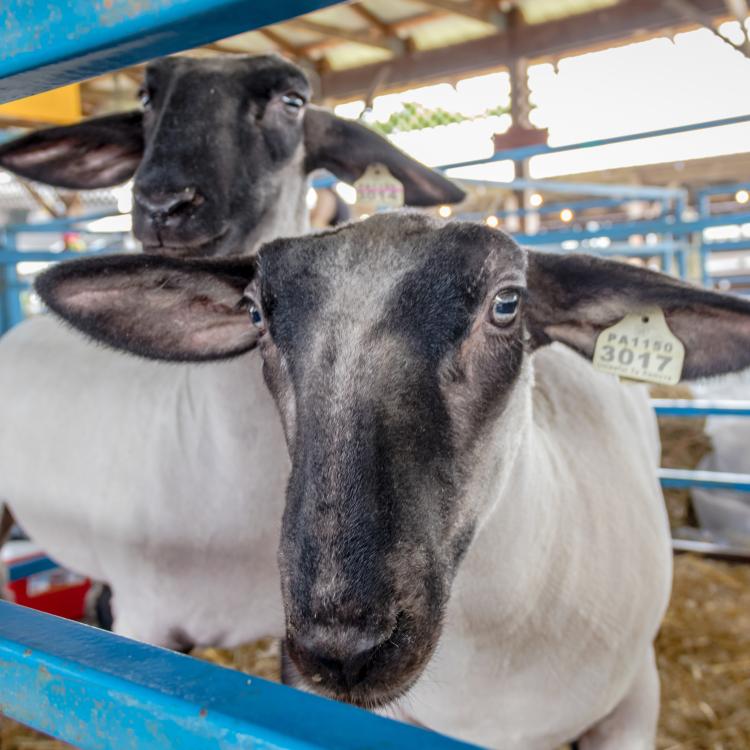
(700, 408)
(10, 257)
(553, 208)
(713, 480)
(11, 286)
(623, 230)
(13, 310)
(644, 192)
(97, 690)
(727, 188)
(731, 278)
(27, 568)
(718, 548)
(49, 44)
(525, 152)
(62, 224)
(728, 246)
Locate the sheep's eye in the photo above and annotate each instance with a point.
(293, 102)
(144, 97)
(256, 316)
(505, 307)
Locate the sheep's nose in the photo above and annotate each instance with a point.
(335, 656)
(166, 202)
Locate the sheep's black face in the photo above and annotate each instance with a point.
(220, 136)
(388, 352)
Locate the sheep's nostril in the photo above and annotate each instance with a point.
(163, 203)
(332, 655)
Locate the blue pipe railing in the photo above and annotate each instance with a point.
(526, 152)
(700, 408)
(50, 44)
(97, 690)
(11, 286)
(711, 480)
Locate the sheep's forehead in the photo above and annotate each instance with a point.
(267, 71)
(402, 274)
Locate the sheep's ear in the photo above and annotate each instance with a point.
(156, 307)
(96, 153)
(347, 148)
(572, 298)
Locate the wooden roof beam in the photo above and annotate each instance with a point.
(485, 12)
(367, 15)
(533, 41)
(392, 44)
(420, 19)
(691, 12)
(280, 42)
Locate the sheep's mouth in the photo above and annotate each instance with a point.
(392, 670)
(369, 697)
(200, 249)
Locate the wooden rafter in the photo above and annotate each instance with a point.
(691, 12)
(364, 13)
(281, 42)
(420, 19)
(392, 44)
(582, 31)
(486, 12)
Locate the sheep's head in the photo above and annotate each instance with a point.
(399, 352)
(220, 154)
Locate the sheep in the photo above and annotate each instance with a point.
(473, 534)
(220, 156)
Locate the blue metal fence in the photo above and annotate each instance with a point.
(97, 690)
(12, 286)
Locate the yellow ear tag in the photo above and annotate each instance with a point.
(641, 347)
(377, 189)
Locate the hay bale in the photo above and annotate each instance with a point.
(703, 653)
(15, 736)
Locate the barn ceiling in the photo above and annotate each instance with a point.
(370, 46)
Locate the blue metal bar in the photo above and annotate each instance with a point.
(26, 568)
(97, 690)
(645, 192)
(552, 208)
(12, 299)
(717, 548)
(728, 246)
(624, 230)
(46, 44)
(11, 257)
(731, 278)
(525, 152)
(712, 480)
(700, 407)
(61, 224)
(727, 188)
